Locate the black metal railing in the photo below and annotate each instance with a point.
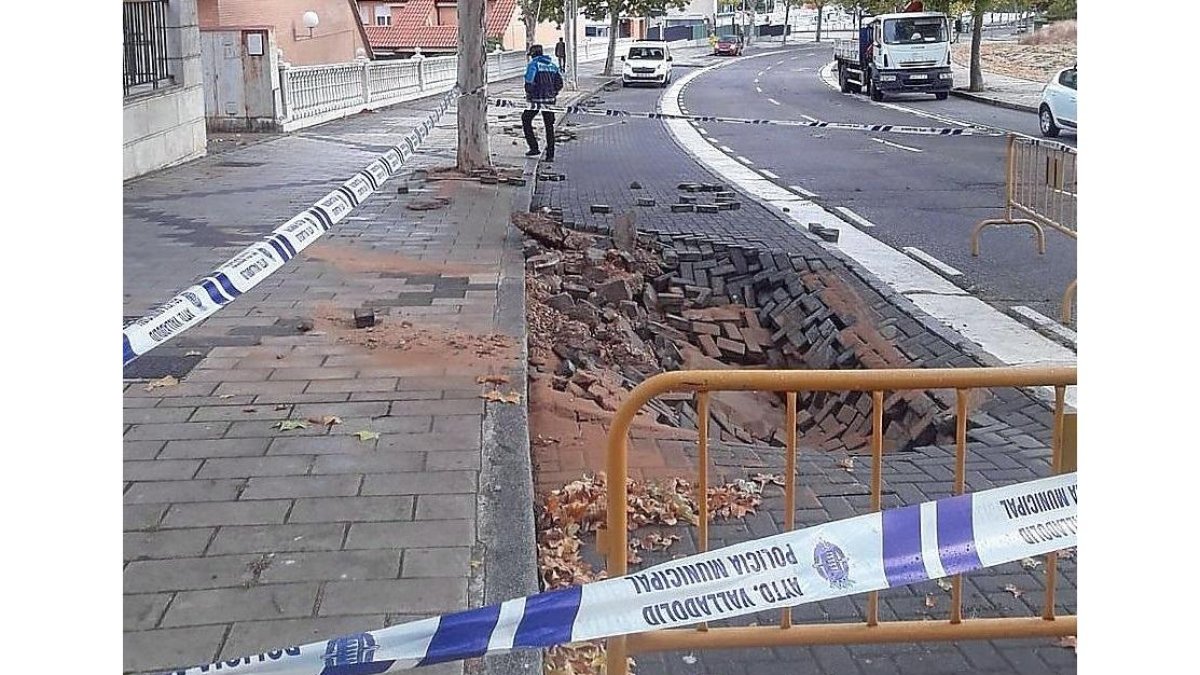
(146, 64)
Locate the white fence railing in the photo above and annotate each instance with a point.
(315, 94)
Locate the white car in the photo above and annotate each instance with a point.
(647, 62)
(1058, 108)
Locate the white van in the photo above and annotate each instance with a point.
(648, 62)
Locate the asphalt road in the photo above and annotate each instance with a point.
(920, 191)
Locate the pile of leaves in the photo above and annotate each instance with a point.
(581, 507)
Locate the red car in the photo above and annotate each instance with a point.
(729, 46)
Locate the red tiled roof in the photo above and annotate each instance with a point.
(415, 25)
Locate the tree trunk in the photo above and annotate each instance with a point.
(473, 151)
(786, 8)
(976, 41)
(820, 13)
(613, 27)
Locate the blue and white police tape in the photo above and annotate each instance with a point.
(258, 261)
(865, 553)
(845, 126)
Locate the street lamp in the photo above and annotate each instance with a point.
(311, 21)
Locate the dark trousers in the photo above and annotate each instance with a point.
(527, 127)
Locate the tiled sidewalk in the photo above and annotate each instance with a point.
(241, 536)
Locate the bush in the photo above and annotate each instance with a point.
(1057, 33)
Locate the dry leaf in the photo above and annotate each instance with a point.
(365, 435)
(690, 659)
(288, 425)
(281, 406)
(492, 379)
(497, 397)
(249, 409)
(1016, 592)
(326, 420)
(945, 585)
(193, 353)
(1066, 642)
(225, 396)
(765, 479)
(847, 464)
(930, 601)
(1030, 563)
(168, 381)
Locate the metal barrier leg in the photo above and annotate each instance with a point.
(1068, 299)
(1038, 231)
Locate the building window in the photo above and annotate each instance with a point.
(383, 15)
(145, 27)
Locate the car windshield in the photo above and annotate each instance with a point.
(914, 31)
(648, 53)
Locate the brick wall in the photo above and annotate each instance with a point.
(335, 40)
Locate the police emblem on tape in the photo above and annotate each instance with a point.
(832, 564)
(352, 655)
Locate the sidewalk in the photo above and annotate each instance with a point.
(241, 536)
(999, 90)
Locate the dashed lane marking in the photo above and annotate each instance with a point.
(896, 145)
(951, 273)
(854, 217)
(799, 190)
(773, 101)
(743, 160)
(769, 174)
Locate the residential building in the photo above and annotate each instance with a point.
(338, 36)
(396, 29)
(163, 85)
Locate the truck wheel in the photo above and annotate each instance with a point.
(942, 95)
(876, 95)
(843, 81)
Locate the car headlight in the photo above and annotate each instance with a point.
(887, 78)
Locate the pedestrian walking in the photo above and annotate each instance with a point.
(543, 81)
(560, 52)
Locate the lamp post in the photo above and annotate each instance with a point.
(311, 21)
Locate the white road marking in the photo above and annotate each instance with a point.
(932, 262)
(854, 217)
(701, 129)
(807, 193)
(769, 174)
(810, 118)
(759, 75)
(728, 149)
(1045, 324)
(773, 100)
(758, 89)
(896, 145)
(993, 331)
(795, 57)
(743, 160)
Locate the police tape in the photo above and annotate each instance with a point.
(865, 553)
(843, 126)
(256, 262)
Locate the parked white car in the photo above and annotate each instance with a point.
(648, 62)
(1058, 108)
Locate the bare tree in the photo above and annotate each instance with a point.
(473, 152)
(981, 6)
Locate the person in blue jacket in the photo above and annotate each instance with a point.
(543, 81)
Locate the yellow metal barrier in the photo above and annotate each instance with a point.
(1041, 190)
(615, 547)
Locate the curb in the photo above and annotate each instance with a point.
(979, 98)
(506, 496)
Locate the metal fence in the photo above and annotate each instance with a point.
(875, 383)
(146, 65)
(1041, 191)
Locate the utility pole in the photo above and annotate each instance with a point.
(473, 151)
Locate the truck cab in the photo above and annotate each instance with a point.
(898, 53)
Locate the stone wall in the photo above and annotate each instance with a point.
(166, 126)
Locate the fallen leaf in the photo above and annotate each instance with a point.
(497, 397)
(1016, 592)
(690, 659)
(365, 435)
(1030, 563)
(168, 381)
(930, 601)
(281, 406)
(326, 420)
(193, 353)
(475, 564)
(945, 585)
(288, 425)
(847, 464)
(492, 379)
(765, 479)
(1066, 642)
(225, 396)
(249, 409)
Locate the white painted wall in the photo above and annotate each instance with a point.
(167, 126)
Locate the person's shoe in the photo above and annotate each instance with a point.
(549, 156)
(533, 153)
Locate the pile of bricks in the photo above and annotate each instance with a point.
(748, 308)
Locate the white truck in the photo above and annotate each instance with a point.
(897, 53)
